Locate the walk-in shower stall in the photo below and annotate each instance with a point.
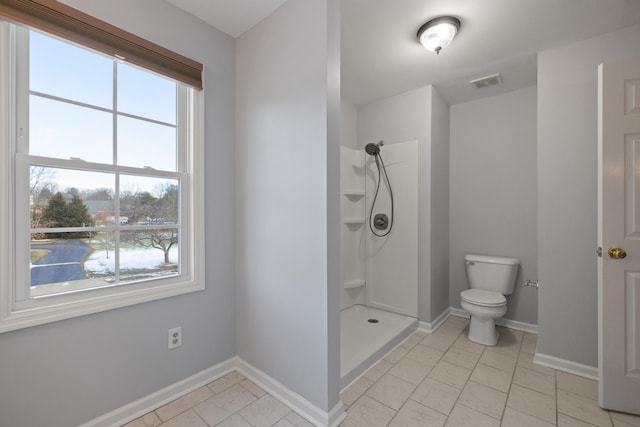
(379, 252)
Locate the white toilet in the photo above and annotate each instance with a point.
(490, 279)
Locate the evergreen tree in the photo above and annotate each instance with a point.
(59, 213)
(53, 215)
(77, 213)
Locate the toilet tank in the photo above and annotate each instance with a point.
(491, 273)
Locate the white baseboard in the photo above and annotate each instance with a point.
(507, 323)
(170, 393)
(161, 397)
(302, 406)
(458, 312)
(520, 326)
(296, 402)
(453, 311)
(430, 327)
(565, 365)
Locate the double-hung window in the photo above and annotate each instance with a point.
(102, 191)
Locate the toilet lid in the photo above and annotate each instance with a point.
(482, 297)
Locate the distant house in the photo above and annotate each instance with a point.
(102, 211)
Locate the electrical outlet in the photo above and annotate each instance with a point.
(175, 337)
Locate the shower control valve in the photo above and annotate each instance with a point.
(380, 221)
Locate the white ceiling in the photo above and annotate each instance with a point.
(381, 56)
(234, 17)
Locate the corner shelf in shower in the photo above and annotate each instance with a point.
(353, 284)
(354, 194)
(353, 221)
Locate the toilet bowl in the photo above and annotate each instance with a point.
(484, 307)
(490, 279)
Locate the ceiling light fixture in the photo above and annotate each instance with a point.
(438, 33)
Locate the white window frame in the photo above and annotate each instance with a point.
(16, 312)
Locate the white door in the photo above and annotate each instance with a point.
(619, 233)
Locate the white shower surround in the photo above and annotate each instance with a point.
(379, 271)
(371, 264)
(352, 177)
(392, 261)
(362, 343)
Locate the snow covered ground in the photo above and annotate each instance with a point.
(130, 259)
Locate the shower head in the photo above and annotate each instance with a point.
(373, 149)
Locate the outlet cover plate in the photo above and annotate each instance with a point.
(175, 337)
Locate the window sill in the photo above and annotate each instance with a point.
(55, 308)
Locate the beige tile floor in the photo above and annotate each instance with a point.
(230, 401)
(443, 379)
(439, 379)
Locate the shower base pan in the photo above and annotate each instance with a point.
(363, 340)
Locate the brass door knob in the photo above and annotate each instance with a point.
(617, 253)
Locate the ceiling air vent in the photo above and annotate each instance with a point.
(487, 81)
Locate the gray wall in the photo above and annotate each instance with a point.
(440, 164)
(400, 118)
(68, 372)
(287, 195)
(334, 197)
(493, 191)
(348, 125)
(567, 193)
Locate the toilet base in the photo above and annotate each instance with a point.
(483, 332)
(482, 326)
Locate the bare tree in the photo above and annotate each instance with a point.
(98, 194)
(40, 177)
(163, 240)
(152, 210)
(42, 186)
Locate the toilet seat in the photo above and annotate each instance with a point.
(483, 297)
